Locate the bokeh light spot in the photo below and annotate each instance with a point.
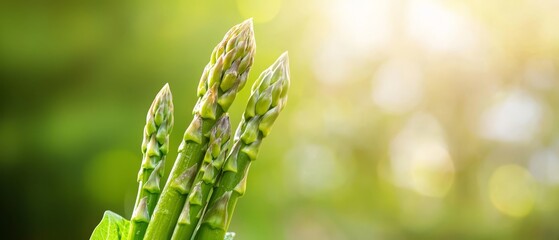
(544, 166)
(516, 118)
(510, 189)
(433, 171)
(333, 64)
(314, 169)
(397, 86)
(420, 159)
(260, 11)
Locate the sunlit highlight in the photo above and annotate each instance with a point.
(438, 28)
(356, 30)
(511, 190)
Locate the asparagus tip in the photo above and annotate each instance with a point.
(165, 91)
(279, 74)
(247, 28)
(248, 23)
(283, 62)
(163, 97)
(284, 57)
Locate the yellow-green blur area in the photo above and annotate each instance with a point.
(408, 119)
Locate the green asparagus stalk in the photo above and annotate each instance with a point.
(155, 146)
(205, 180)
(224, 76)
(268, 98)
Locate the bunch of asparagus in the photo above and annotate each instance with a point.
(211, 169)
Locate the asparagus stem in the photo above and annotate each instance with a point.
(155, 146)
(223, 77)
(268, 98)
(205, 180)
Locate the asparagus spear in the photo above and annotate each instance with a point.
(223, 77)
(205, 180)
(155, 146)
(268, 98)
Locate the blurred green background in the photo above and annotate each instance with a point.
(407, 119)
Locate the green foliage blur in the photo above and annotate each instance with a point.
(409, 119)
